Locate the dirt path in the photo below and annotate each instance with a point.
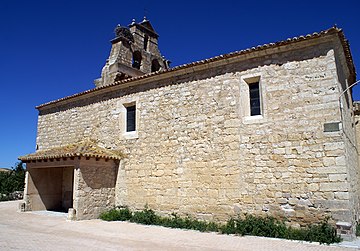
(51, 231)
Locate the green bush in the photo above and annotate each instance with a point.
(146, 217)
(258, 226)
(358, 230)
(4, 197)
(323, 233)
(188, 223)
(271, 227)
(121, 214)
(248, 225)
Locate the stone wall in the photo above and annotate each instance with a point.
(197, 152)
(94, 187)
(348, 133)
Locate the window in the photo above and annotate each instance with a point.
(155, 66)
(136, 62)
(252, 100)
(254, 94)
(131, 118)
(146, 40)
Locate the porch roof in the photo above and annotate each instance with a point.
(81, 149)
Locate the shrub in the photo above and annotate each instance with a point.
(249, 225)
(358, 230)
(271, 227)
(121, 214)
(258, 226)
(146, 216)
(188, 223)
(323, 233)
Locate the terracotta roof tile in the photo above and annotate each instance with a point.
(82, 149)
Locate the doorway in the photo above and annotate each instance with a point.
(51, 188)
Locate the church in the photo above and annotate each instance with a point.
(268, 130)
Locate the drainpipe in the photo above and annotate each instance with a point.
(341, 110)
(347, 89)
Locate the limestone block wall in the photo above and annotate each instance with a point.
(348, 132)
(94, 187)
(196, 151)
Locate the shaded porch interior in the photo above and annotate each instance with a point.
(51, 188)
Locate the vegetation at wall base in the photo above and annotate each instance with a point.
(358, 230)
(271, 227)
(248, 225)
(12, 181)
(117, 214)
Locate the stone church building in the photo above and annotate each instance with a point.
(266, 130)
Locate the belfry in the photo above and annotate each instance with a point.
(134, 53)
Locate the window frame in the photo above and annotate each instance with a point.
(125, 134)
(246, 81)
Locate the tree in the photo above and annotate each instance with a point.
(12, 181)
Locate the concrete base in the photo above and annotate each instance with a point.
(344, 229)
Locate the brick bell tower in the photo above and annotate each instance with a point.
(134, 52)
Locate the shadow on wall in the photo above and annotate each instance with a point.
(45, 188)
(98, 174)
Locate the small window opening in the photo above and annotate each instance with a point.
(136, 62)
(131, 118)
(146, 41)
(254, 93)
(155, 66)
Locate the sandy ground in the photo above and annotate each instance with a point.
(51, 231)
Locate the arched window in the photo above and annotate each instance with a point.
(155, 66)
(146, 41)
(136, 62)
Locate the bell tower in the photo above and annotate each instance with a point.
(134, 52)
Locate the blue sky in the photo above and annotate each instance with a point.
(52, 49)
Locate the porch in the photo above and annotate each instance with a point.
(78, 178)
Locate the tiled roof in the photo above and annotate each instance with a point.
(82, 149)
(332, 30)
